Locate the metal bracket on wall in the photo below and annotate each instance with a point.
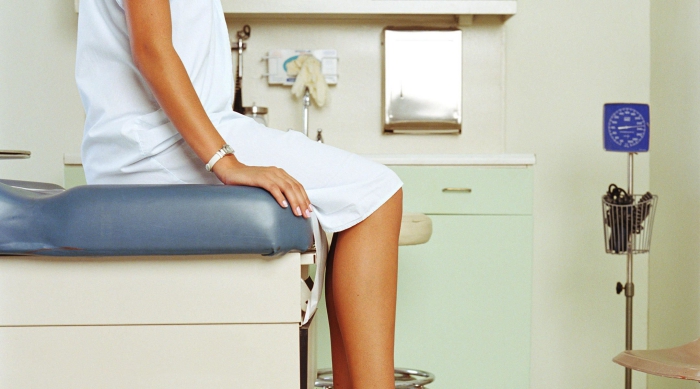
(465, 20)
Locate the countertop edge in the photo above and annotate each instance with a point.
(420, 160)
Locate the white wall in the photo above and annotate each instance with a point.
(674, 284)
(40, 109)
(352, 117)
(565, 59)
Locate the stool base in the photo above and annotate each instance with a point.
(404, 378)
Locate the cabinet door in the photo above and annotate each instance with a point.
(464, 301)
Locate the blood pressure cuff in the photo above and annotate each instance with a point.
(126, 220)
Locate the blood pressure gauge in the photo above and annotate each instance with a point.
(626, 127)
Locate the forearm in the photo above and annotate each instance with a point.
(168, 79)
(150, 34)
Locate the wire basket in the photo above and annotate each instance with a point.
(628, 227)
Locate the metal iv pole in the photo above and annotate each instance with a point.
(629, 231)
(627, 218)
(629, 285)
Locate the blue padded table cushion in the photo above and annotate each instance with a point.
(128, 220)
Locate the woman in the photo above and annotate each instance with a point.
(156, 81)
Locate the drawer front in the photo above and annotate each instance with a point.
(261, 356)
(466, 190)
(222, 289)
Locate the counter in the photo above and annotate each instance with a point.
(454, 159)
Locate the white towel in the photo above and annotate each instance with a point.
(307, 70)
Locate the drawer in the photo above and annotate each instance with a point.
(261, 356)
(216, 289)
(466, 190)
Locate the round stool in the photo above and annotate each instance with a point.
(416, 228)
(404, 378)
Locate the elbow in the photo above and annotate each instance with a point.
(149, 55)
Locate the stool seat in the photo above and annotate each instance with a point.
(679, 362)
(416, 228)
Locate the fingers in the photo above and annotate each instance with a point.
(287, 191)
(294, 192)
(278, 196)
(298, 190)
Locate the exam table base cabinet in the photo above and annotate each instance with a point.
(177, 322)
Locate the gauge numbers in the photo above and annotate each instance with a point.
(626, 127)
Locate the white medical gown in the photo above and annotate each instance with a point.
(128, 139)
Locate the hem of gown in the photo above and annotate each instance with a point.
(356, 221)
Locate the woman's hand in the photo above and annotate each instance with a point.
(283, 187)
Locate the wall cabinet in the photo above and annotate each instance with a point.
(464, 298)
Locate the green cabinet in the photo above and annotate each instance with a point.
(464, 298)
(73, 175)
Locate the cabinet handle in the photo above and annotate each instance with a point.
(14, 154)
(465, 190)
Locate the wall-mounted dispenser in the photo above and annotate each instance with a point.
(308, 72)
(422, 81)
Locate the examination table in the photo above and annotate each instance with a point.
(187, 286)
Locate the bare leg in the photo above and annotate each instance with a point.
(341, 375)
(361, 297)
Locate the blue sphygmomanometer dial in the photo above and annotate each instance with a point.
(627, 127)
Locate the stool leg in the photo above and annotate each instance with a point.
(304, 358)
